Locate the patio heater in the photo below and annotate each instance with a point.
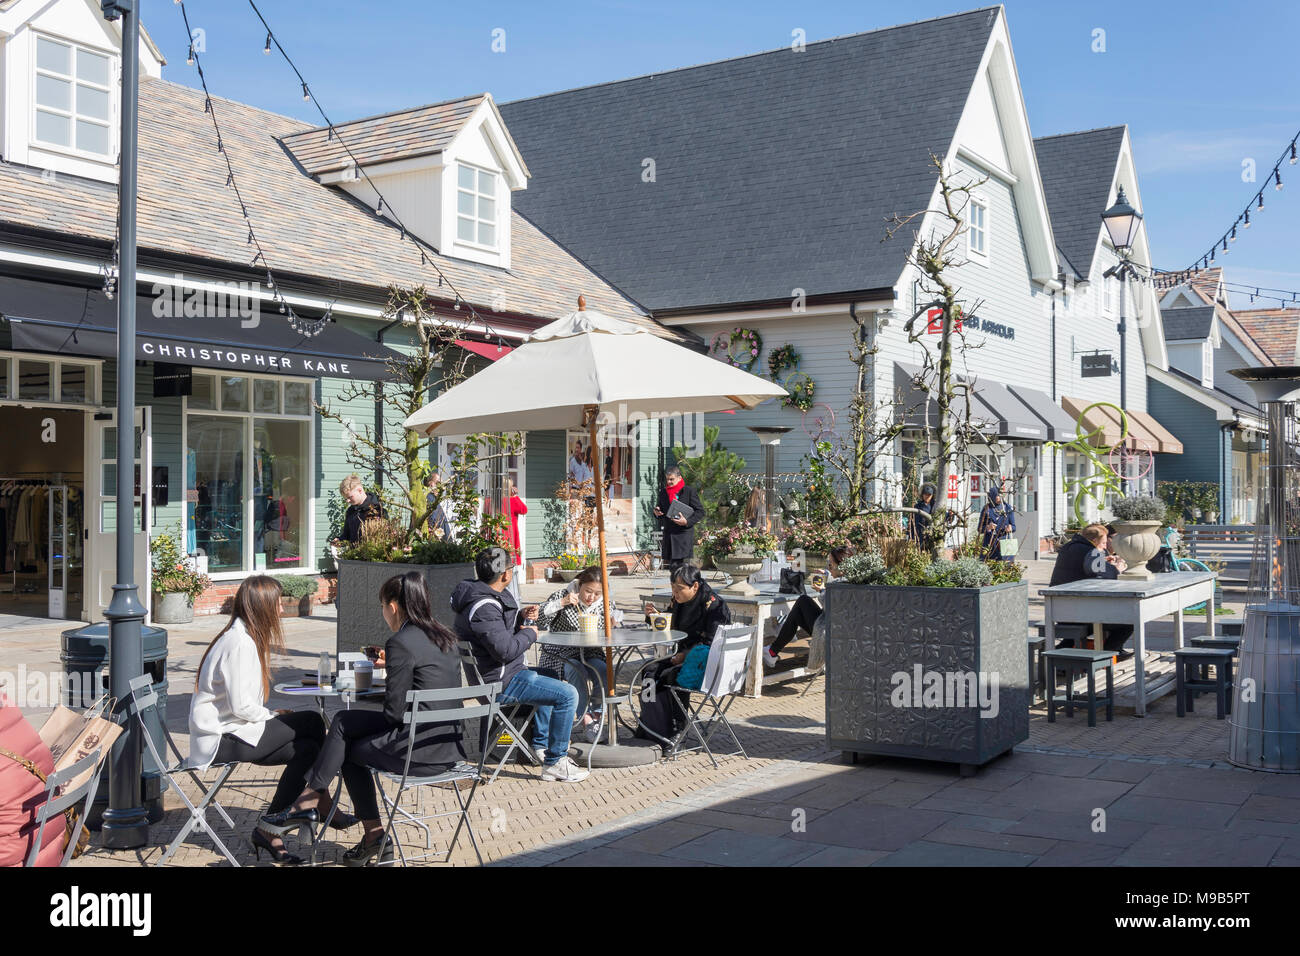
(1265, 718)
(769, 517)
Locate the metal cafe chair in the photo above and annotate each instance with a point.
(57, 802)
(468, 703)
(143, 700)
(513, 721)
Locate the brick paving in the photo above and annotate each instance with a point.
(1160, 787)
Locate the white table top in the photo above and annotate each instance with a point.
(1123, 588)
(767, 594)
(622, 637)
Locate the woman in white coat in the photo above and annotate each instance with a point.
(228, 716)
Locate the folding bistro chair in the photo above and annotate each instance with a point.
(143, 699)
(506, 722)
(56, 803)
(705, 710)
(468, 703)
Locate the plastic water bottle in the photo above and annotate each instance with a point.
(323, 670)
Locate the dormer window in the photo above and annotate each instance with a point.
(73, 98)
(476, 206)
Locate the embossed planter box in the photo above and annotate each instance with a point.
(361, 622)
(961, 638)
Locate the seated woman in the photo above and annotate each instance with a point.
(698, 610)
(804, 614)
(582, 595)
(421, 655)
(228, 716)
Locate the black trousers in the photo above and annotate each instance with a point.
(350, 750)
(289, 740)
(804, 615)
(659, 714)
(1113, 636)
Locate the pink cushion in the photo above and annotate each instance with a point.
(22, 793)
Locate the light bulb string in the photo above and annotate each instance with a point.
(1284, 297)
(427, 252)
(1289, 155)
(306, 327)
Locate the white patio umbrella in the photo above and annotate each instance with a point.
(583, 370)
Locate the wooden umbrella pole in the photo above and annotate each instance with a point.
(598, 466)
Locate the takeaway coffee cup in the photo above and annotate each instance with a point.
(660, 621)
(365, 675)
(817, 579)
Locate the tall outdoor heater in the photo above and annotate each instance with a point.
(126, 823)
(770, 436)
(1265, 719)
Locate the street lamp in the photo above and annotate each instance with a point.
(1122, 223)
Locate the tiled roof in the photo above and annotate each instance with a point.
(1194, 322)
(771, 172)
(422, 131)
(1077, 171)
(1275, 330)
(1205, 286)
(315, 232)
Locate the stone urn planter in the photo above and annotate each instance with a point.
(566, 574)
(360, 620)
(930, 673)
(740, 566)
(173, 608)
(1137, 542)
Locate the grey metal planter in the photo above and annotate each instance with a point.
(360, 620)
(876, 633)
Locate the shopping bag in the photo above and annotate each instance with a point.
(71, 735)
(1009, 547)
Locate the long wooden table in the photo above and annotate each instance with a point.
(1119, 601)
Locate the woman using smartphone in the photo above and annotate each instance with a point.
(228, 717)
(421, 655)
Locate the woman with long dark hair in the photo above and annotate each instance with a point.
(421, 655)
(228, 716)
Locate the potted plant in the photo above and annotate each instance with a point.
(176, 582)
(739, 551)
(573, 563)
(299, 593)
(817, 539)
(1137, 521)
(926, 658)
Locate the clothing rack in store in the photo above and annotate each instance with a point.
(28, 479)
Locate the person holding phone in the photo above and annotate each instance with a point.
(678, 510)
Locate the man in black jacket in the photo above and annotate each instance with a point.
(488, 618)
(679, 536)
(1084, 556)
(362, 507)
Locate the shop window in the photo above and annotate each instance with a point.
(266, 396)
(203, 392)
(5, 365)
(215, 451)
(234, 393)
(75, 384)
(73, 98)
(297, 398)
(35, 381)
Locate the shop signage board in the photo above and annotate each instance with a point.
(1095, 366)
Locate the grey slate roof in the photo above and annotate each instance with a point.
(773, 172)
(1077, 170)
(1193, 322)
(1218, 394)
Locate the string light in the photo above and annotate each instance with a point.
(1233, 237)
(267, 49)
(1246, 225)
(1277, 178)
(1293, 155)
(405, 234)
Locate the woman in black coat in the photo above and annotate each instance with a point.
(421, 655)
(679, 533)
(699, 611)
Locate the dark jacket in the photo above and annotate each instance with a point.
(1079, 560)
(918, 528)
(356, 514)
(679, 540)
(413, 662)
(489, 622)
(699, 617)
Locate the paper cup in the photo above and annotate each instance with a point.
(660, 622)
(364, 675)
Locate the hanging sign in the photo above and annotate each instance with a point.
(172, 380)
(934, 322)
(954, 484)
(1095, 366)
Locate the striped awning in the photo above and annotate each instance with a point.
(1144, 432)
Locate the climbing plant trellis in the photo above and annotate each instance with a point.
(1102, 480)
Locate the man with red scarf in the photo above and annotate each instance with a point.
(679, 539)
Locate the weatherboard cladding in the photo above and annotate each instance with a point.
(1077, 170)
(772, 172)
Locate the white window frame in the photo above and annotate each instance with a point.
(1108, 294)
(111, 90)
(309, 566)
(496, 203)
(982, 230)
(9, 379)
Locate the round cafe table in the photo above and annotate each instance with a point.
(621, 643)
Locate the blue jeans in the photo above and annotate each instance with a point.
(555, 703)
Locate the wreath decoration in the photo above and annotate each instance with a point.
(800, 386)
(739, 348)
(782, 359)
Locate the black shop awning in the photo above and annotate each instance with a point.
(225, 333)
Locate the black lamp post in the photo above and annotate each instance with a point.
(126, 824)
(1122, 223)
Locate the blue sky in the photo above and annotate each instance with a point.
(1203, 86)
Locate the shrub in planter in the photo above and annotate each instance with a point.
(299, 592)
(176, 584)
(1140, 508)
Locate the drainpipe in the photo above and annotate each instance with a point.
(1225, 467)
(867, 378)
(1056, 455)
(379, 407)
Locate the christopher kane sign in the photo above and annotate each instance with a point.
(230, 358)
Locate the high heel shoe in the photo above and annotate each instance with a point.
(365, 851)
(343, 821)
(279, 854)
(290, 819)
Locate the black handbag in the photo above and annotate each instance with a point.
(1162, 563)
(791, 581)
